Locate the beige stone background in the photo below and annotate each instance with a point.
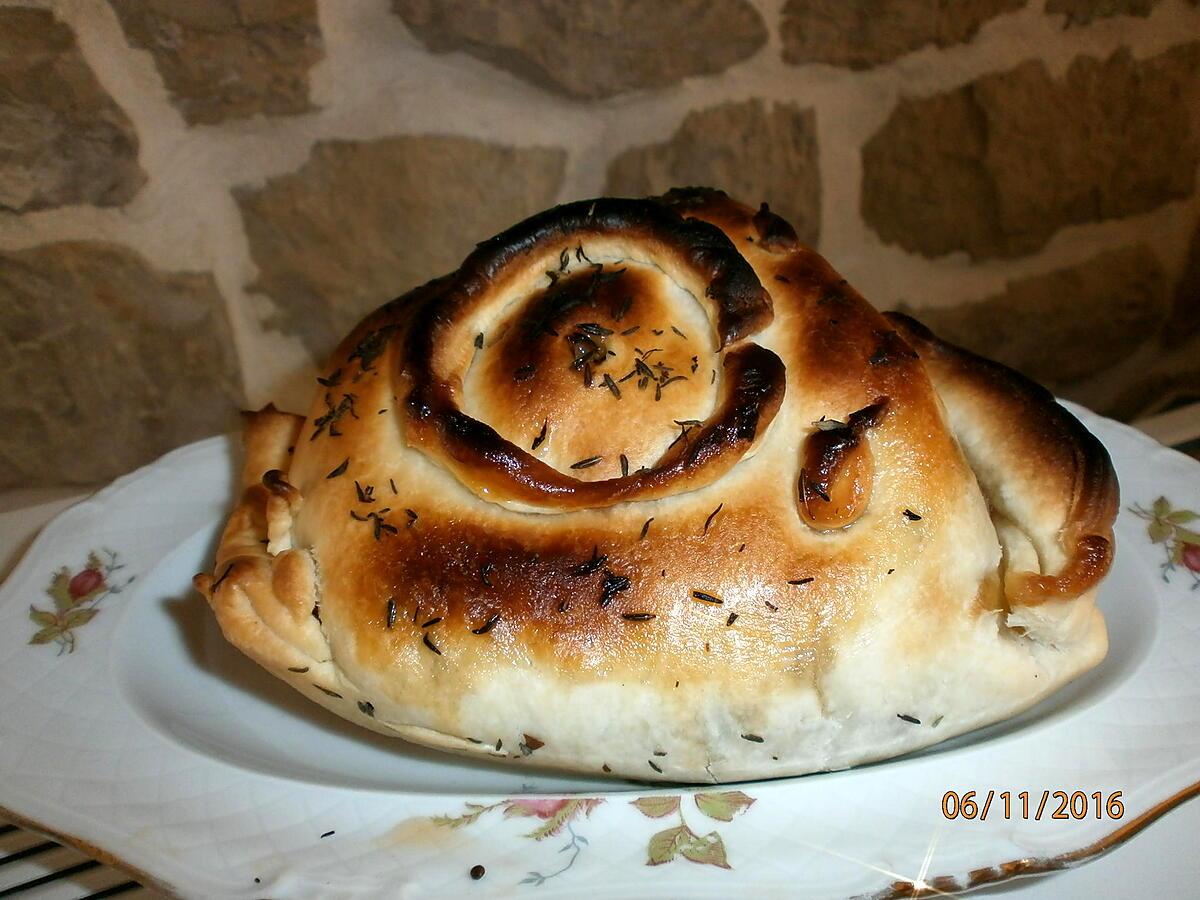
(198, 196)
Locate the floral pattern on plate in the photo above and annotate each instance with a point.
(77, 598)
(556, 814)
(1181, 545)
(679, 841)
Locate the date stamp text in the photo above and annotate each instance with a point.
(1068, 805)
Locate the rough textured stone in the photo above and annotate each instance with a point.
(592, 49)
(1185, 317)
(1146, 391)
(62, 138)
(1067, 324)
(860, 34)
(106, 363)
(1083, 12)
(228, 59)
(362, 222)
(752, 151)
(999, 165)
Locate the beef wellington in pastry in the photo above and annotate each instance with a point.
(646, 488)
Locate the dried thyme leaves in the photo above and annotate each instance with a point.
(379, 524)
(328, 421)
(594, 564)
(712, 517)
(370, 348)
(333, 379)
(487, 625)
(611, 585)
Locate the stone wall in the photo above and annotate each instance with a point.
(198, 196)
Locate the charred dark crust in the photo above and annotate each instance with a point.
(274, 482)
(754, 377)
(1087, 533)
(753, 390)
(743, 305)
(826, 450)
(775, 233)
(717, 207)
(827, 459)
(695, 198)
(890, 349)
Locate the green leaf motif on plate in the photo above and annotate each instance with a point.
(671, 843)
(723, 806)
(76, 599)
(1181, 545)
(60, 589)
(46, 635)
(1184, 536)
(665, 845)
(680, 841)
(708, 850)
(76, 617)
(40, 617)
(657, 807)
(1160, 531)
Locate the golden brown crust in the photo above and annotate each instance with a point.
(268, 438)
(752, 378)
(751, 391)
(1040, 450)
(254, 558)
(438, 567)
(838, 469)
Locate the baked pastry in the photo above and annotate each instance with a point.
(646, 488)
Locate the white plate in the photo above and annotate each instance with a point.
(140, 734)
